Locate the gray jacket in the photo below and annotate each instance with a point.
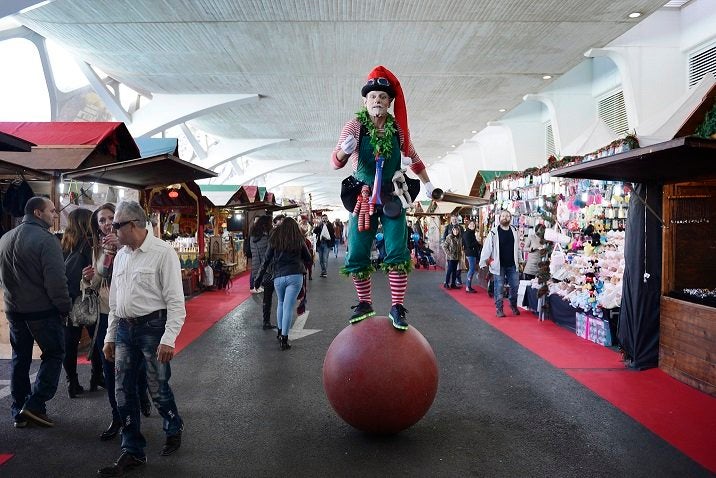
(491, 250)
(32, 269)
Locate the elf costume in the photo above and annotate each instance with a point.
(374, 147)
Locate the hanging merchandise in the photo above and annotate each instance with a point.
(16, 196)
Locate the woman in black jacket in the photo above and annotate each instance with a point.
(77, 248)
(472, 252)
(286, 255)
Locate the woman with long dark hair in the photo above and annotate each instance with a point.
(98, 276)
(77, 249)
(287, 253)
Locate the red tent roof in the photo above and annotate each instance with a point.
(62, 133)
(70, 145)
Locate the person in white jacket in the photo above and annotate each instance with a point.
(500, 252)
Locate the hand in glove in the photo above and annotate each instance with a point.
(405, 161)
(349, 145)
(429, 188)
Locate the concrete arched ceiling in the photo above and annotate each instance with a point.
(459, 61)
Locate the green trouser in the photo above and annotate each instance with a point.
(395, 230)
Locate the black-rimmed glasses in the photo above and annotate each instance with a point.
(378, 81)
(118, 225)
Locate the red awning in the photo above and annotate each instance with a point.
(70, 145)
(61, 133)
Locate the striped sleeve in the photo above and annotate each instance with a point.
(416, 165)
(353, 128)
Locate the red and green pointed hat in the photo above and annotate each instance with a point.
(395, 91)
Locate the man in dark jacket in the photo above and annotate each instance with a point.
(32, 274)
(324, 242)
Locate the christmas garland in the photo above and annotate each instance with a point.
(382, 145)
(708, 127)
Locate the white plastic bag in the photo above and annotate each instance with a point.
(557, 260)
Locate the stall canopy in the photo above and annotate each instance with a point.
(149, 147)
(66, 146)
(12, 171)
(189, 198)
(681, 159)
(256, 197)
(143, 173)
(219, 194)
(9, 142)
(482, 179)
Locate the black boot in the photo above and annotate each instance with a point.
(268, 326)
(96, 381)
(278, 335)
(73, 387)
(284, 342)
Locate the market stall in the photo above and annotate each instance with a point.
(580, 264)
(60, 147)
(669, 311)
(166, 187)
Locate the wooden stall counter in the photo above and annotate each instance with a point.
(687, 343)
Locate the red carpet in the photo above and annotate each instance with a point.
(209, 307)
(679, 414)
(4, 458)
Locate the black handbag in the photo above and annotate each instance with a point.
(350, 189)
(267, 279)
(413, 186)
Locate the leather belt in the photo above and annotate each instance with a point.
(157, 314)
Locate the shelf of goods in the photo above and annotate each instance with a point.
(587, 274)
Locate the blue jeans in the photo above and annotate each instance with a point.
(323, 250)
(287, 289)
(50, 337)
(451, 273)
(108, 370)
(513, 279)
(471, 261)
(133, 342)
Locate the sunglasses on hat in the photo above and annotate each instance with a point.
(378, 81)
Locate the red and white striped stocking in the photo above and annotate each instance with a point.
(362, 289)
(398, 284)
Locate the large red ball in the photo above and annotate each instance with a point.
(379, 379)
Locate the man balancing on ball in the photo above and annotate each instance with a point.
(374, 141)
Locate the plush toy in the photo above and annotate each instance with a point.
(364, 208)
(400, 189)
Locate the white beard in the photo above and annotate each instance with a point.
(378, 111)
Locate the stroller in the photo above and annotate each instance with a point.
(424, 257)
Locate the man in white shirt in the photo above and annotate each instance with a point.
(146, 314)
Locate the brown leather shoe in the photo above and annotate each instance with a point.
(124, 463)
(36, 417)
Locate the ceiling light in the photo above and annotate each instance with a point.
(474, 131)
(547, 77)
(634, 14)
(452, 145)
(502, 110)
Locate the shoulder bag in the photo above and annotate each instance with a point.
(85, 308)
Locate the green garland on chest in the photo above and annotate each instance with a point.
(382, 145)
